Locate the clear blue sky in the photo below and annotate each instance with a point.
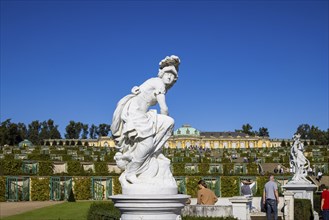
(259, 62)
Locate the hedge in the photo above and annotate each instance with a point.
(103, 210)
(230, 186)
(192, 185)
(46, 168)
(106, 210)
(82, 189)
(2, 189)
(303, 209)
(40, 190)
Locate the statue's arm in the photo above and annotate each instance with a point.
(162, 103)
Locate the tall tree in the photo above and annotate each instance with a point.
(84, 131)
(247, 129)
(93, 130)
(34, 131)
(103, 129)
(73, 130)
(22, 130)
(4, 132)
(304, 131)
(263, 132)
(53, 130)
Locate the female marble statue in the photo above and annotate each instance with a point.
(140, 133)
(298, 160)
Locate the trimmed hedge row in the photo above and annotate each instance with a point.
(107, 211)
(228, 186)
(303, 209)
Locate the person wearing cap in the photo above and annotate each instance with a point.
(205, 195)
(140, 133)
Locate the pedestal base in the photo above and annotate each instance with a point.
(301, 190)
(150, 207)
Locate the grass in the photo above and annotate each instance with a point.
(63, 211)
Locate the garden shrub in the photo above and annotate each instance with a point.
(40, 190)
(82, 188)
(261, 181)
(203, 168)
(230, 186)
(208, 218)
(116, 186)
(12, 167)
(46, 168)
(303, 209)
(74, 168)
(228, 169)
(192, 185)
(71, 196)
(103, 210)
(2, 189)
(101, 168)
(179, 169)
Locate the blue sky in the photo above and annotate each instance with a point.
(259, 62)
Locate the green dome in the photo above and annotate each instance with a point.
(25, 143)
(186, 130)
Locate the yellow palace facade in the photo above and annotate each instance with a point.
(185, 137)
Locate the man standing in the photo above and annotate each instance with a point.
(205, 195)
(271, 198)
(325, 203)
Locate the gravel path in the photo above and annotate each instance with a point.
(14, 208)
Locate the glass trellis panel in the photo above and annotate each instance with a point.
(55, 188)
(109, 187)
(181, 184)
(97, 188)
(26, 189)
(67, 187)
(213, 184)
(17, 188)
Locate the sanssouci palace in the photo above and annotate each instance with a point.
(187, 136)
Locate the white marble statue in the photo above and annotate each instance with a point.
(298, 161)
(140, 134)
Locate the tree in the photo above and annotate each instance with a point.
(22, 130)
(4, 132)
(103, 130)
(73, 130)
(263, 132)
(247, 129)
(93, 130)
(303, 130)
(34, 131)
(53, 130)
(84, 131)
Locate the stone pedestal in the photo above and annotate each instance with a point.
(288, 205)
(150, 207)
(240, 207)
(301, 190)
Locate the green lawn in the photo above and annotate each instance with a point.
(64, 211)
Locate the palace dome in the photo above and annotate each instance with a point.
(186, 130)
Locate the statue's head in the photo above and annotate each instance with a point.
(169, 65)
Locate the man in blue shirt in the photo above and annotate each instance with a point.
(271, 198)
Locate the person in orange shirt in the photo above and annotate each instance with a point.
(205, 195)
